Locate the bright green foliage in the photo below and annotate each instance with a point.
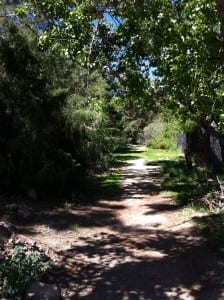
(189, 62)
(165, 140)
(180, 39)
(86, 121)
(162, 134)
(21, 267)
(161, 154)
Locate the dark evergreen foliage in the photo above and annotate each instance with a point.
(53, 130)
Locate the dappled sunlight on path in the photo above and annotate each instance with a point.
(146, 250)
(139, 182)
(138, 246)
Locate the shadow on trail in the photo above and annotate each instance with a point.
(161, 208)
(133, 263)
(142, 264)
(141, 181)
(212, 229)
(99, 206)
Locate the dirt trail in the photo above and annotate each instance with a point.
(135, 246)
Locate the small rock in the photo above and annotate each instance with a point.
(42, 291)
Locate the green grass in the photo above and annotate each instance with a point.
(187, 188)
(131, 153)
(147, 154)
(112, 179)
(161, 154)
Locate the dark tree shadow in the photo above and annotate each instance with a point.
(161, 208)
(98, 206)
(134, 263)
(189, 185)
(167, 266)
(211, 228)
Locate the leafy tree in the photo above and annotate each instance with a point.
(181, 40)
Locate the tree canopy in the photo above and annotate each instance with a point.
(178, 41)
(77, 72)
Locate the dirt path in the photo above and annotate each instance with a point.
(134, 246)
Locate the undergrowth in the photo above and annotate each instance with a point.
(21, 266)
(186, 186)
(112, 179)
(191, 189)
(212, 229)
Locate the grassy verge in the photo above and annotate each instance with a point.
(188, 188)
(185, 186)
(112, 179)
(160, 154)
(135, 152)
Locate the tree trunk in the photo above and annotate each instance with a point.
(220, 9)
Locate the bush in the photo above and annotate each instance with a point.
(165, 140)
(20, 267)
(162, 134)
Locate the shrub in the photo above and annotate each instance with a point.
(165, 140)
(20, 267)
(162, 134)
